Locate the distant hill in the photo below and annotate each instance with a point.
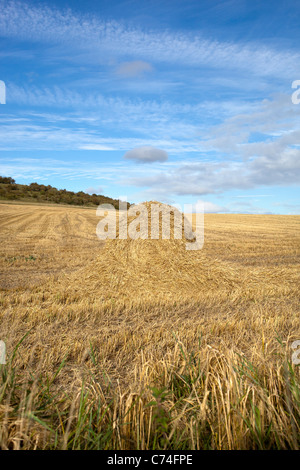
(10, 190)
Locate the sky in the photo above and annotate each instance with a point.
(177, 101)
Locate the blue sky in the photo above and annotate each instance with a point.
(177, 101)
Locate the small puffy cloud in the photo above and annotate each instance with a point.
(146, 154)
(97, 190)
(211, 208)
(208, 207)
(134, 69)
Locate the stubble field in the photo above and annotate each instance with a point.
(141, 344)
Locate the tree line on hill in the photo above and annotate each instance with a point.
(10, 190)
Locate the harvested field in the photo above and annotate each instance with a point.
(140, 344)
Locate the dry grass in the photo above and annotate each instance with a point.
(142, 344)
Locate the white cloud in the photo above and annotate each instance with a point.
(203, 178)
(274, 121)
(135, 68)
(146, 154)
(94, 190)
(208, 207)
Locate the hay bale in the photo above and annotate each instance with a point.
(135, 269)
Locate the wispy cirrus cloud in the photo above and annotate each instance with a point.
(104, 88)
(69, 97)
(49, 25)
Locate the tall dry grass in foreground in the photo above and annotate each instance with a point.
(143, 345)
